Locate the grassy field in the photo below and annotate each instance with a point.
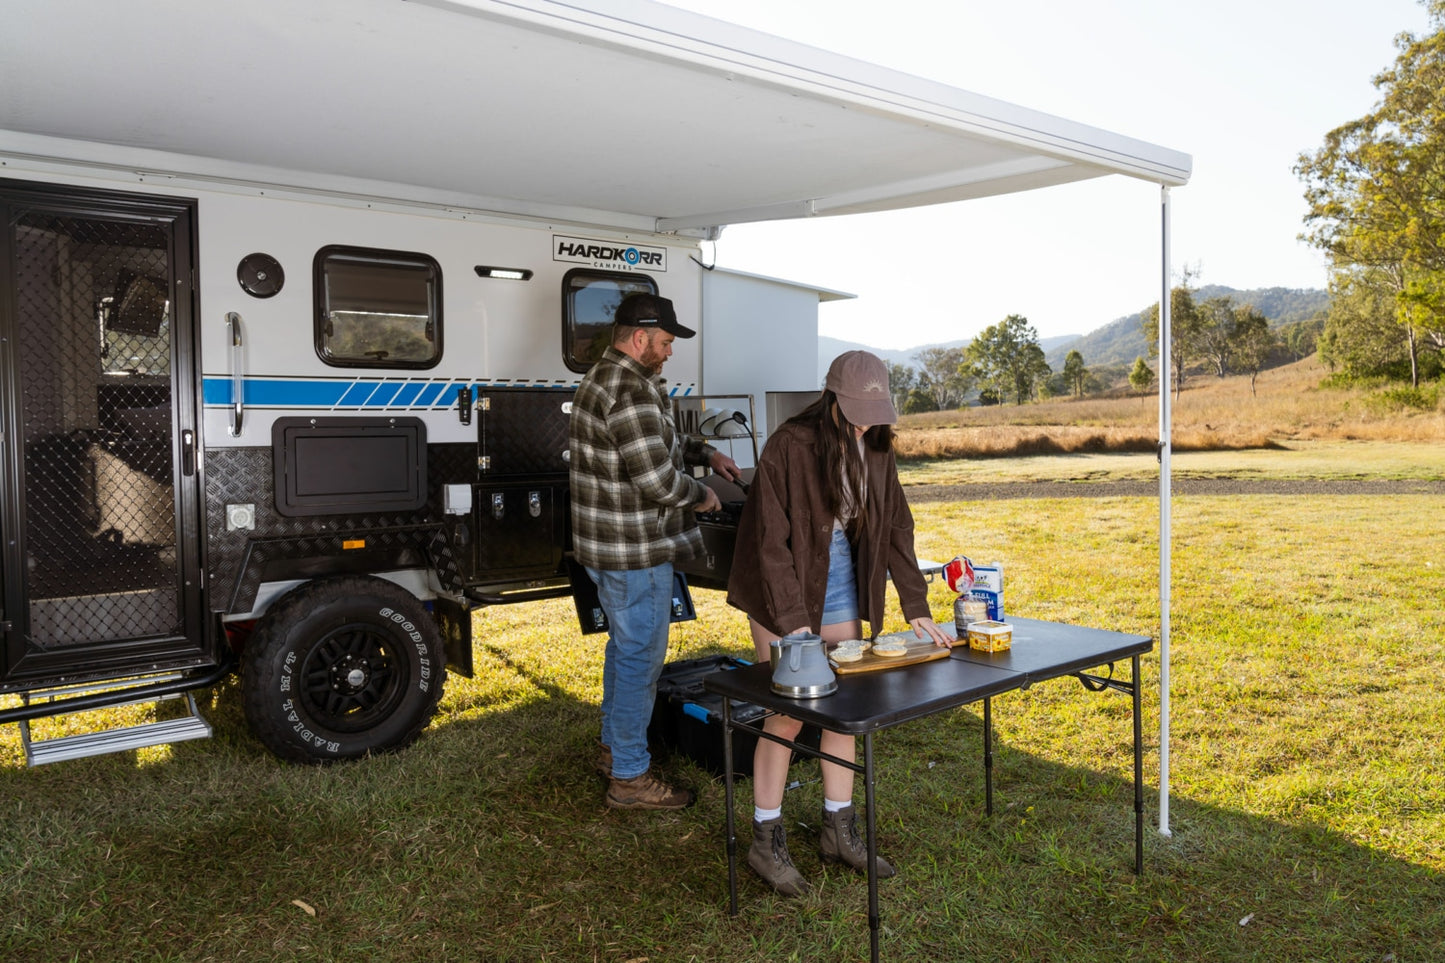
(1287, 407)
(1307, 808)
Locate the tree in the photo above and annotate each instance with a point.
(1216, 332)
(1075, 374)
(918, 400)
(1006, 358)
(902, 379)
(1361, 336)
(1185, 324)
(942, 376)
(1376, 191)
(1300, 337)
(1141, 378)
(1252, 342)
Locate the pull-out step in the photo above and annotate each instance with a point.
(38, 752)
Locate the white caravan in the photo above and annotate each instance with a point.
(295, 297)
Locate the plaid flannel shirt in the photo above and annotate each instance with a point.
(631, 498)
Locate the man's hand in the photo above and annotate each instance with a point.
(709, 504)
(725, 466)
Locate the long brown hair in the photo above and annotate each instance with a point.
(838, 455)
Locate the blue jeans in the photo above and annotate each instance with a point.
(840, 602)
(638, 604)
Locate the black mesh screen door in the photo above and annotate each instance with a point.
(99, 426)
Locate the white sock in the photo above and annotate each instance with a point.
(763, 815)
(833, 807)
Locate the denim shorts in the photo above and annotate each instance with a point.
(841, 602)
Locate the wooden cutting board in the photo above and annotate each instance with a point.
(919, 650)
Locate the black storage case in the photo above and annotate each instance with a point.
(687, 719)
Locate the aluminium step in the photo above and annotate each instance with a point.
(39, 752)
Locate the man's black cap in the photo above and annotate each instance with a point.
(642, 310)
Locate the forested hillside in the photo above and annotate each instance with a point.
(1121, 341)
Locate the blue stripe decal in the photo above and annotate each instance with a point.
(293, 393)
(357, 394)
(383, 396)
(331, 393)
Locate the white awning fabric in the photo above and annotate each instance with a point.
(619, 113)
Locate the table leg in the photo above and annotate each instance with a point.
(1138, 777)
(732, 840)
(872, 824)
(988, 756)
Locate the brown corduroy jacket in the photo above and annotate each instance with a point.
(780, 565)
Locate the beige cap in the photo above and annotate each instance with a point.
(860, 380)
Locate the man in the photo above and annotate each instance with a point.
(632, 517)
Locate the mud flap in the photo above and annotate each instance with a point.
(454, 621)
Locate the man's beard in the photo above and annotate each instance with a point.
(652, 359)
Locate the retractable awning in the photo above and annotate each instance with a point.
(621, 113)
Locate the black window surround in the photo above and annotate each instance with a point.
(589, 297)
(377, 309)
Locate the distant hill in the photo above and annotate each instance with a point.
(1120, 341)
(830, 348)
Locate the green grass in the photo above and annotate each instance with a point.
(1307, 808)
(1328, 460)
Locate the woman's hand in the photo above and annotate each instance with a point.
(925, 628)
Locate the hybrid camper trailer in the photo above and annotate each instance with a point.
(295, 297)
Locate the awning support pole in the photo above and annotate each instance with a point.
(1165, 434)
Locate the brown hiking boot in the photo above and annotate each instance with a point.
(646, 792)
(604, 760)
(840, 843)
(769, 858)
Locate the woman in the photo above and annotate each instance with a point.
(824, 525)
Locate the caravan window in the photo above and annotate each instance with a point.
(588, 299)
(378, 309)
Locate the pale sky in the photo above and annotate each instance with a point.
(1244, 86)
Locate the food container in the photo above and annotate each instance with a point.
(966, 611)
(990, 636)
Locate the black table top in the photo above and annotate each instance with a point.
(868, 701)
(1046, 650)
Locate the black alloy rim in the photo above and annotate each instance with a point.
(352, 679)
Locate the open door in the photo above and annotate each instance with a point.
(98, 437)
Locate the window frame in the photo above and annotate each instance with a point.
(321, 302)
(569, 327)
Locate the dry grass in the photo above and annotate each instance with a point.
(1211, 414)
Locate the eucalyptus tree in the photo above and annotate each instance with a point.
(1252, 343)
(943, 376)
(1376, 191)
(1186, 324)
(1075, 374)
(902, 379)
(1007, 359)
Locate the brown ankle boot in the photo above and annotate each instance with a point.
(769, 858)
(646, 792)
(840, 842)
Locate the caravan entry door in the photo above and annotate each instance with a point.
(100, 509)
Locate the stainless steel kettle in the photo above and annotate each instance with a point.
(800, 667)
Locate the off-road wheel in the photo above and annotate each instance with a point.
(340, 668)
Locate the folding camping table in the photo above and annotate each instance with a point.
(867, 703)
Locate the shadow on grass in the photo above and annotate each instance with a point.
(488, 840)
